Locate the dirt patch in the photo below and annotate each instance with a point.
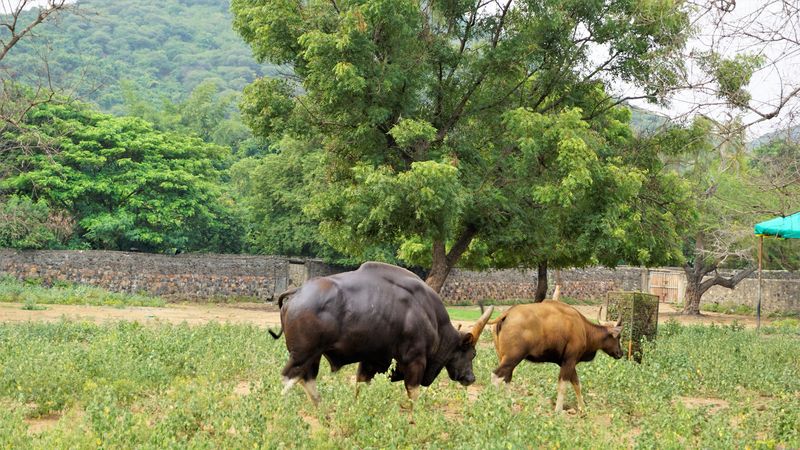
(712, 404)
(314, 424)
(242, 389)
(41, 424)
(193, 314)
(267, 315)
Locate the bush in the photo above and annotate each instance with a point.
(28, 224)
(728, 308)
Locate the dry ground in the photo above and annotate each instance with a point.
(259, 314)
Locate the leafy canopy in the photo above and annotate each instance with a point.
(125, 184)
(460, 128)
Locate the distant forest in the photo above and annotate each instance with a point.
(157, 49)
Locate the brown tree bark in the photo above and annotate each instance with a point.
(692, 299)
(444, 261)
(541, 283)
(696, 287)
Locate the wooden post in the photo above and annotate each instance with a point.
(645, 282)
(557, 292)
(760, 258)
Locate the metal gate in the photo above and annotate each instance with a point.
(668, 285)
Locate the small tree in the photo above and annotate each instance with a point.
(721, 236)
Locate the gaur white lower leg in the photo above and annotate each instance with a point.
(562, 388)
(577, 386)
(288, 383)
(310, 386)
(497, 381)
(413, 393)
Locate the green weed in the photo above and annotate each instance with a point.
(32, 291)
(126, 385)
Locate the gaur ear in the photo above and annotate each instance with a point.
(467, 340)
(615, 331)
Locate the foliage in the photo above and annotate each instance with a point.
(777, 165)
(728, 308)
(206, 113)
(442, 102)
(128, 385)
(732, 75)
(31, 291)
(421, 203)
(715, 167)
(32, 225)
(126, 185)
(272, 192)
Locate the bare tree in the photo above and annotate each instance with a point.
(18, 19)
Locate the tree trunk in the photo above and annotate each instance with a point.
(443, 261)
(692, 297)
(696, 287)
(439, 268)
(541, 283)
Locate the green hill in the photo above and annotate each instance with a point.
(160, 49)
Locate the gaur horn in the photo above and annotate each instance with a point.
(478, 327)
(619, 322)
(599, 315)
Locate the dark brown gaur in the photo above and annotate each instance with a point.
(553, 332)
(372, 316)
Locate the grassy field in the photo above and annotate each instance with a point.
(124, 385)
(32, 294)
(466, 314)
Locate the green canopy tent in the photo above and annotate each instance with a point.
(787, 227)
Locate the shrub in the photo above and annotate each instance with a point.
(29, 224)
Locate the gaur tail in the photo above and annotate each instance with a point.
(276, 335)
(284, 295)
(280, 305)
(498, 324)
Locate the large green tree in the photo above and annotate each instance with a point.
(445, 121)
(125, 184)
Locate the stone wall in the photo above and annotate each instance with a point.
(194, 276)
(780, 292)
(209, 276)
(589, 283)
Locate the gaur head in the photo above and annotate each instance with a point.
(459, 366)
(611, 344)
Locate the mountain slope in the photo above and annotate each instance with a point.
(161, 49)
